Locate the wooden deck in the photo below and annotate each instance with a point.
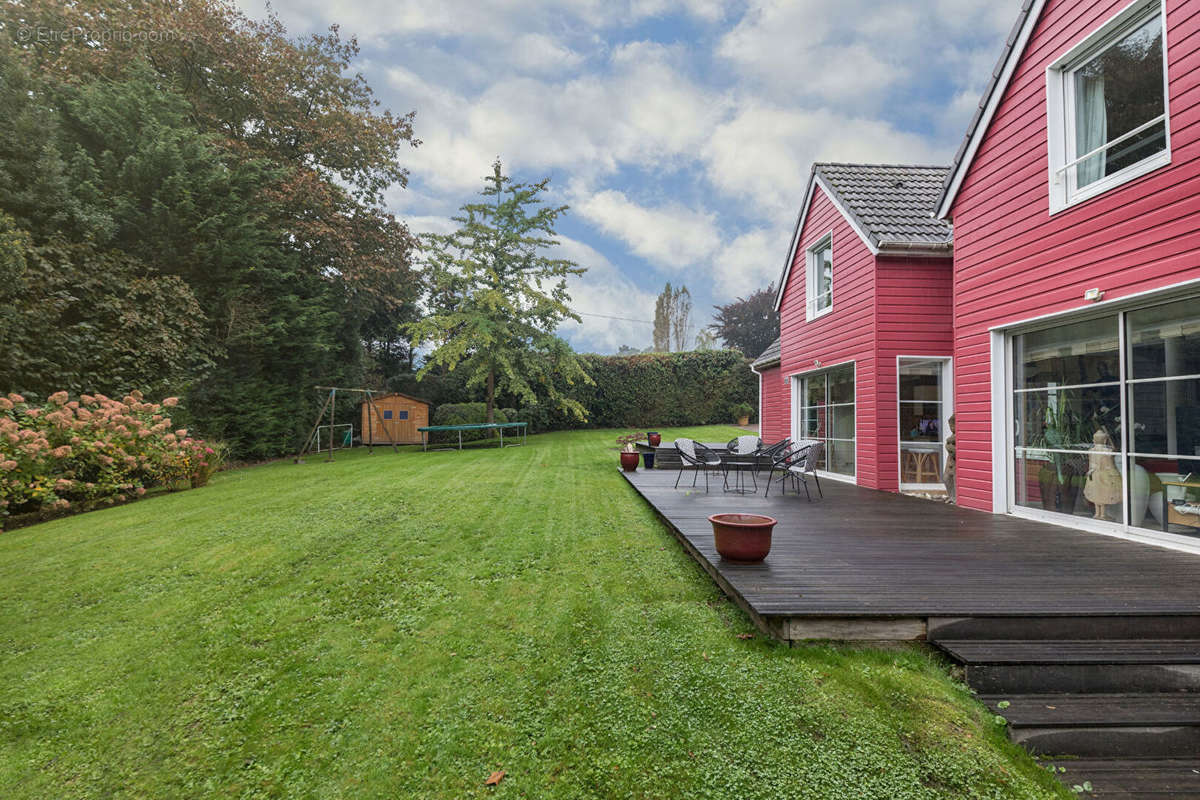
(863, 564)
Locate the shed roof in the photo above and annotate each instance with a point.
(386, 395)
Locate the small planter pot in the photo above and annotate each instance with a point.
(743, 421)
(655, 438)
(629, 461)
(648, 459)
(742, 537)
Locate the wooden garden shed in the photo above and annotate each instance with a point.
(401, 415)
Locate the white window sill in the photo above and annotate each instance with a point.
(818, 314)
(1101, 187)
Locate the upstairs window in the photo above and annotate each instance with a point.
(819, 285)
(1108, 107)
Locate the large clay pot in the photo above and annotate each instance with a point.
(743, 421)
(742, 537)
(655, 438)
(629, 460)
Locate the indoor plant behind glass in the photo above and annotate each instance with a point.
(1062, 478)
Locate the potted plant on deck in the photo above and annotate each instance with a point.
(742, 537)
(742, 412)
(629, 453)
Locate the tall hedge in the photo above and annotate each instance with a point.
(695, 388)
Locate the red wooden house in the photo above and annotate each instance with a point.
(863, 362)
(1075, 201)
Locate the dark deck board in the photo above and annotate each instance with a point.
(864, 553)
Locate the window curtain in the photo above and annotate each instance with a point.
(1091, 127)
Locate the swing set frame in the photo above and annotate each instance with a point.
(331, 393)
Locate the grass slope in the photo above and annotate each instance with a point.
(403, 625)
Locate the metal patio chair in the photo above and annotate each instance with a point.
(808, 466)
(699, 457)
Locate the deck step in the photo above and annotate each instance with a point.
(1097, 710)
(1085, 651)
(1157, 626)
(1081, 678)
(1126, 779)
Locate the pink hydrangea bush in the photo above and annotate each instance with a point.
(72, 455)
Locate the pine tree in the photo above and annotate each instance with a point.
(495, 298)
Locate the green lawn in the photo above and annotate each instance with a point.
(403, 625)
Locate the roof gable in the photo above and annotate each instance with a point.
(889, 206)
(1014, 48)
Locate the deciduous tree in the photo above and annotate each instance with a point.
(749, 324)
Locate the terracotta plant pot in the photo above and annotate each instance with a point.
(743, 421)
(655, 438)
(629, 461)
(742, 537)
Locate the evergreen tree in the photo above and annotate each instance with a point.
(663, 307)
(495, 298)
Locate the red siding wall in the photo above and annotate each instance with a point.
(776, 406)
(1013, 261)
(845, 334)
(914, 317)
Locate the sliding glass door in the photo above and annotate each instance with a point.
(1106, 418)
(825, 412)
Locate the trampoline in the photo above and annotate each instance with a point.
(481, 426)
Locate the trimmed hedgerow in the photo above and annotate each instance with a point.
(73, 455)
(695, 388)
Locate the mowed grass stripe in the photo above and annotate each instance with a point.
(402, 625)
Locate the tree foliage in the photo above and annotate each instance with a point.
(247, 166)
(673, 319)
(749, 324)
(495, 297)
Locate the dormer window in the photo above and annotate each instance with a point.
(819, 285)
(1107, 107)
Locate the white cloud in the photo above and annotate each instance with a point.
(672, 236)
(608, 300)
(764, 153)
(748, 263)
(856, 54)
(643, 112)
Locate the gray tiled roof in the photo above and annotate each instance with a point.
(993, 86)
(769, 356)
(892, 204)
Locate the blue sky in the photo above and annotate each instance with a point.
(680, 132)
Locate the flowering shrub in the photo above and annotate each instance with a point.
(72, 455)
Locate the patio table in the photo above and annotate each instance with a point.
(739, 465)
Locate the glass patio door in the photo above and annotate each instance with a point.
(923, 417)
(1106, 418)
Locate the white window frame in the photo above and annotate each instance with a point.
(1060, 109)
(799, 408)
(812, 276)
(1003, 440)
(947, 411)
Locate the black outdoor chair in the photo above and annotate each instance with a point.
(807, 466)
(767, 453)
(699, 458)
(794, 463)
